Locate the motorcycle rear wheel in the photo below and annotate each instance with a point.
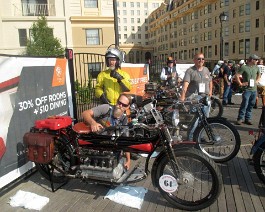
(63, 160)
(227, 142)
(259, 162)
(199, 179)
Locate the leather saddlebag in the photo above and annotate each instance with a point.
(39, 147)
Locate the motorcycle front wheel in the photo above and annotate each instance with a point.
(61, 163)
(198, 179)
(226, 143)
(259, 162)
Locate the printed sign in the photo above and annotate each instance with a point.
(30, 89)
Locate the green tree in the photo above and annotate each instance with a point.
(42, 42)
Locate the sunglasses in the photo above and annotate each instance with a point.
(200, 58)
(122, 104)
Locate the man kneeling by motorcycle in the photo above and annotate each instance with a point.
(105, 116)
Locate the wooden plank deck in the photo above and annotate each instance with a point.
(242, 190)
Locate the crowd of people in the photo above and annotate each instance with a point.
(113, 82)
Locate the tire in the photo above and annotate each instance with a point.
(216, 109)
(259, 162)
(216, 88)
(63, 159)
(228, 143)
(199, 180)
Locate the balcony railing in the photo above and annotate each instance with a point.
(35, 10)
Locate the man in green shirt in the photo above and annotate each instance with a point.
(251, 75)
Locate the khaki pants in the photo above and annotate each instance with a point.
(221, 89)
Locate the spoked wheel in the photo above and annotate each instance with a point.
(197, 184)
(226, 143)
(60, 164)
(259, 162)
(216, 109)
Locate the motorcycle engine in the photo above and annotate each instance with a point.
(101, 165)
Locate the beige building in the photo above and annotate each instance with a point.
(17, 16)
(188, 26)
(133, 28)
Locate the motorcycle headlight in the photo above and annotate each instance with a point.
(175, 118)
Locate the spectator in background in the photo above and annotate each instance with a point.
(251, 75)
(169, 75)
(228, 74)
(217, 67)
(221, 80)
(261, 84)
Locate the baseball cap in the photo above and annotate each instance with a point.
(254, 57)
(241, 62)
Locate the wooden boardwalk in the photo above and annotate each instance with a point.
(242, 191)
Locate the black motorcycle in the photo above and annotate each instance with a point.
(214, 136)
(184, 176)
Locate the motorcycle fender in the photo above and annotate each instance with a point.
(215, 97)
(257, 144)
(182, 145)
(216, 118)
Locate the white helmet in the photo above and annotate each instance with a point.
(115, 53)
(220, 62)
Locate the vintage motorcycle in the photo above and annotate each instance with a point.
(258, 149)
(167, 95)
(184, 176)
(214, 136)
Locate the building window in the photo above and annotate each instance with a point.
(241, 10)
(132, 20)
(139, 28)
(91, 3)
(247, 26)
(132, 28)
(138, 20)
(257, 5)
(234, 29)
(234, 47)
(123, 4)
(226, 50)
(241, 46)
(125, 36)
(125, 20)
(125, 28)
(22, 33)
(257, 23)
(138, 12)
(248, 9)
(133, 36)
(94, 69)
(139, 36)
(247, 46)
(138, 4)
(132, 12)
(124, 12)
(241, 27)
(257, 44)
(92, 37)
(132, 4)
(234, 13)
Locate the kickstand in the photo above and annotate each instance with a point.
(51, 171)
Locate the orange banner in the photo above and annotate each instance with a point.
(59, 72)
(139, 77)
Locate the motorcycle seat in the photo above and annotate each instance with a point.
(82, 128)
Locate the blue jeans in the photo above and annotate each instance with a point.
(247, 104)
(227, 93)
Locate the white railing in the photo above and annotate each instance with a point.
(35, 10)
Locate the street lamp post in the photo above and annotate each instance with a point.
(222, 17)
